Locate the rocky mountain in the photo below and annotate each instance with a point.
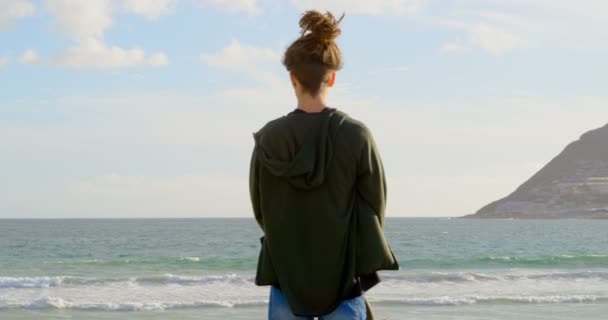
(574, 185)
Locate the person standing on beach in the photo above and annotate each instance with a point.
(318, 193)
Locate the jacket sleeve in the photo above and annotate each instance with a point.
(254, 189)
(371, 181)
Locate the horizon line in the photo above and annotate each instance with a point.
(186, 218)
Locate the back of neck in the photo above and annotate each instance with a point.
(312, 104)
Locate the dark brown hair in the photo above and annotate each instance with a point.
(315, 54)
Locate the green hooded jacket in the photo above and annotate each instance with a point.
(318, 192)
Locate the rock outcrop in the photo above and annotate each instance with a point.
(574, 185)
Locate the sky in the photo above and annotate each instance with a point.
(146, 108)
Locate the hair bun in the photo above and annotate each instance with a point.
(322, 27)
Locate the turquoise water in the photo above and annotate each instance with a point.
(204, 269)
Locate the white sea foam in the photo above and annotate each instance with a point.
(235, 280)
(34, 282)
(193, 259)
(473, 299)
(500, 258)
(481, 277)
(59, 303)
(170, 291)
(203, 279)
(45, 282)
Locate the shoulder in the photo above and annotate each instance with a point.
(273, 124)
(356, 128)
(271, 127)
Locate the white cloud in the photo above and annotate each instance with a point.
(86, 22)
(493, 32)
(11, 10)
(388, 70)
(236, 56)
(3, 61)
(394, 69)
(158, 196)
(29, 56)
(254, 62)
(451, 47)
(151, 9)
(502, 26)
(94, 54)
(585, 8)
(377, 7)
(158, 59)
(248, 6)
(81, 19)
(491, 39)
(496, 40)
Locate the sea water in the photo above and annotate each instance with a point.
(204, 269)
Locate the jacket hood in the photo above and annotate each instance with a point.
(299, 146)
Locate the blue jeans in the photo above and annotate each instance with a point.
(278, 309)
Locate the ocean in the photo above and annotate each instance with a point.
(204, 269)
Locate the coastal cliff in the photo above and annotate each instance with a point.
(574, 185)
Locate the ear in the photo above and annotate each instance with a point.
(332, 79)
(294, 80)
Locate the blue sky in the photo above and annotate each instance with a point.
(145, 108)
